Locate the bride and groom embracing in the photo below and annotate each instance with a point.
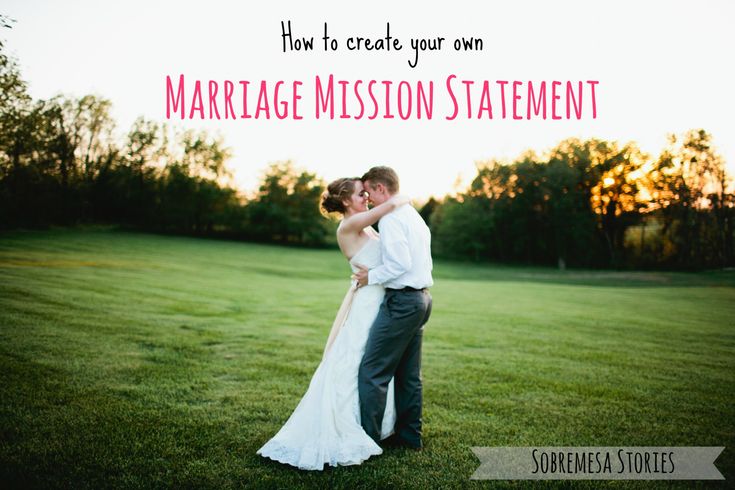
(367, 388)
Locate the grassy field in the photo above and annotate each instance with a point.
(142, 361)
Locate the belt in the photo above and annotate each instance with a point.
(407, 288)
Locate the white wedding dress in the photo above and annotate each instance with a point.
(325, 426)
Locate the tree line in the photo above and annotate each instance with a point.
(585, 203)
(61, 163)
(595, 203)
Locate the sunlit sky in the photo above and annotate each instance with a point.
(663, 66)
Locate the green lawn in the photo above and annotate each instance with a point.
(137, 361)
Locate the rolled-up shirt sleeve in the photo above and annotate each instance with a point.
(396, 255)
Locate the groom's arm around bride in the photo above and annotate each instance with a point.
(393, 348)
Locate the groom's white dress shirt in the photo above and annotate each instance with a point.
(405, 242)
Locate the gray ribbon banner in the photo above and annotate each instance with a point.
(597, 463)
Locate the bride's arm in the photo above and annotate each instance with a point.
(358, 221)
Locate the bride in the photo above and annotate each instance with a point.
(325, 426)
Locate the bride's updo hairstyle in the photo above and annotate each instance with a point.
(338, 191)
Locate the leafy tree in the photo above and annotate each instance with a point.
(457, 231)
(192, 199)
(19, 118)
(137, 172)
(598, 199)
(688, 185)
(286, 207)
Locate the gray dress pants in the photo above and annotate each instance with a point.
(393, 349)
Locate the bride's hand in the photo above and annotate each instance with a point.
(399, 200)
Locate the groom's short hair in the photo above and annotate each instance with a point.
(384, 175)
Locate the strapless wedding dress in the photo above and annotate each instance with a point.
(325, 426)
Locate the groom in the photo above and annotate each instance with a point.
(393, 347)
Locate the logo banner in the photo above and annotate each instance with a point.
(597, 463)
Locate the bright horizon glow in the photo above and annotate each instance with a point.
(662, 69)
